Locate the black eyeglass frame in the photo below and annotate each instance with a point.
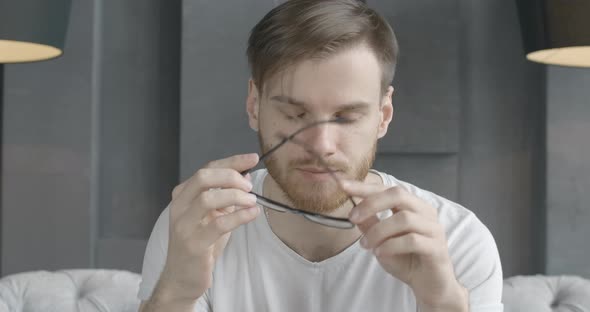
(335, 222)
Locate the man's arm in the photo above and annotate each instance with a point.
(458, 272)
(163, 299)
(203, 212)
(458, 300)
(410, 244)
(155, 305)
(149, 306)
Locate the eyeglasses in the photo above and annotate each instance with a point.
(341, 223)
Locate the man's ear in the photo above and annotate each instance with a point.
(252, 103)
(386, 112)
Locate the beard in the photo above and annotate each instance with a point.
(321, 197)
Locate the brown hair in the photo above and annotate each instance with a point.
(303, 29)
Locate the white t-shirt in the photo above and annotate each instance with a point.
(258, 272)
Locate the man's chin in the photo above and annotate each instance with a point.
(318, 197)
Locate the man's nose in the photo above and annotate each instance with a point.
(322, 139)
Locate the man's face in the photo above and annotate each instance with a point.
(346, 85)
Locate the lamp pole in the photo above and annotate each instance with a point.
(1, 152)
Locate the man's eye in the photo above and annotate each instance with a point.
(348, 116)
(295, 116)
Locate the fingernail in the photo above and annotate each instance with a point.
(249, 185)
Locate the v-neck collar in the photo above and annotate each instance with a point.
(263, 225)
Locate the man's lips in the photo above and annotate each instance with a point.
(316, 170)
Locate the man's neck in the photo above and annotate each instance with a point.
(312, 241)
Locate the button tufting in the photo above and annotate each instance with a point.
(86, 290)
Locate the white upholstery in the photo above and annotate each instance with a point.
(116, 291)
(70, 290)
(541, 293)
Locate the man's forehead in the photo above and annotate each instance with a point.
(355, 69)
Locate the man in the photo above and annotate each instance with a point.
(324, 66)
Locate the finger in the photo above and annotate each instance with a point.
(411, 243)
(217, 199)
(364, 190)
(205, 179)
(393, 198)
(237, 162)
(368, 223)
(221, 225)
(178, 189)
(361, 189)
(401, 223)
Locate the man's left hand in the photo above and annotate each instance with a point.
(411, 244)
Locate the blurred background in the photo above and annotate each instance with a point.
(149, 91)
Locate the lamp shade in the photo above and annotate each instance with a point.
(556, 32)
(32, 30)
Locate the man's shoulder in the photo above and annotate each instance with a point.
(467, 236)
(458, 220)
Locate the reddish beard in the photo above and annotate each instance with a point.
(316, 196)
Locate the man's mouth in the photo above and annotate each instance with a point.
(317, 173)
(315, 170)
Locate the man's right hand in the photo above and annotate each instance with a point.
(203, 212)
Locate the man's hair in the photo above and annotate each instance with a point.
(302, 29)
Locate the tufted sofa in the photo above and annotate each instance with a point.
(70, 290)
(116, 291)
(546, 293)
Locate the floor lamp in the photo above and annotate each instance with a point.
(556, 32)
(30, 31)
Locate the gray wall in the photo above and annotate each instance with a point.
(93, 142)
(90, 140)
(47, 156)
(502, 122)
(568, 171)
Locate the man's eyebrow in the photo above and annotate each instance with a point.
(355, 105)
(287, 100)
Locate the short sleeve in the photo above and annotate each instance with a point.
(155, 256)
(477, 264)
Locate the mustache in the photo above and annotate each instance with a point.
(313, 162)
